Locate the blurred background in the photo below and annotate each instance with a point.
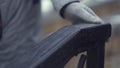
(108, 10)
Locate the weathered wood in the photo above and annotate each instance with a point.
(57, 49)
(69, 41)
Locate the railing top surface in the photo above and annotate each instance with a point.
(72, 37)
(64, 44)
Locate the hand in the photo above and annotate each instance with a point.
(79, 12)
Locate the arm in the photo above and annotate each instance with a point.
(75, 11)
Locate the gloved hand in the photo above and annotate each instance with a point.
(79, 12)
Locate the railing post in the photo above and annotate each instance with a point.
(95, 57)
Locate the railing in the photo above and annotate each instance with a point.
(57, 49)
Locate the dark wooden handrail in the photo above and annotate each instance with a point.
(57, 49)
(67, 42)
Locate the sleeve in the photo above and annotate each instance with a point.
(60, 5)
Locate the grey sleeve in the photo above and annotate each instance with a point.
(59, 4)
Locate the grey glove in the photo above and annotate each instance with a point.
(79, 12)
(76, 11)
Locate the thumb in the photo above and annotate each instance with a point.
(88, 15)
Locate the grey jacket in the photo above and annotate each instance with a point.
(21, 30)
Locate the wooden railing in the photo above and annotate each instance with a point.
(57, 49)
